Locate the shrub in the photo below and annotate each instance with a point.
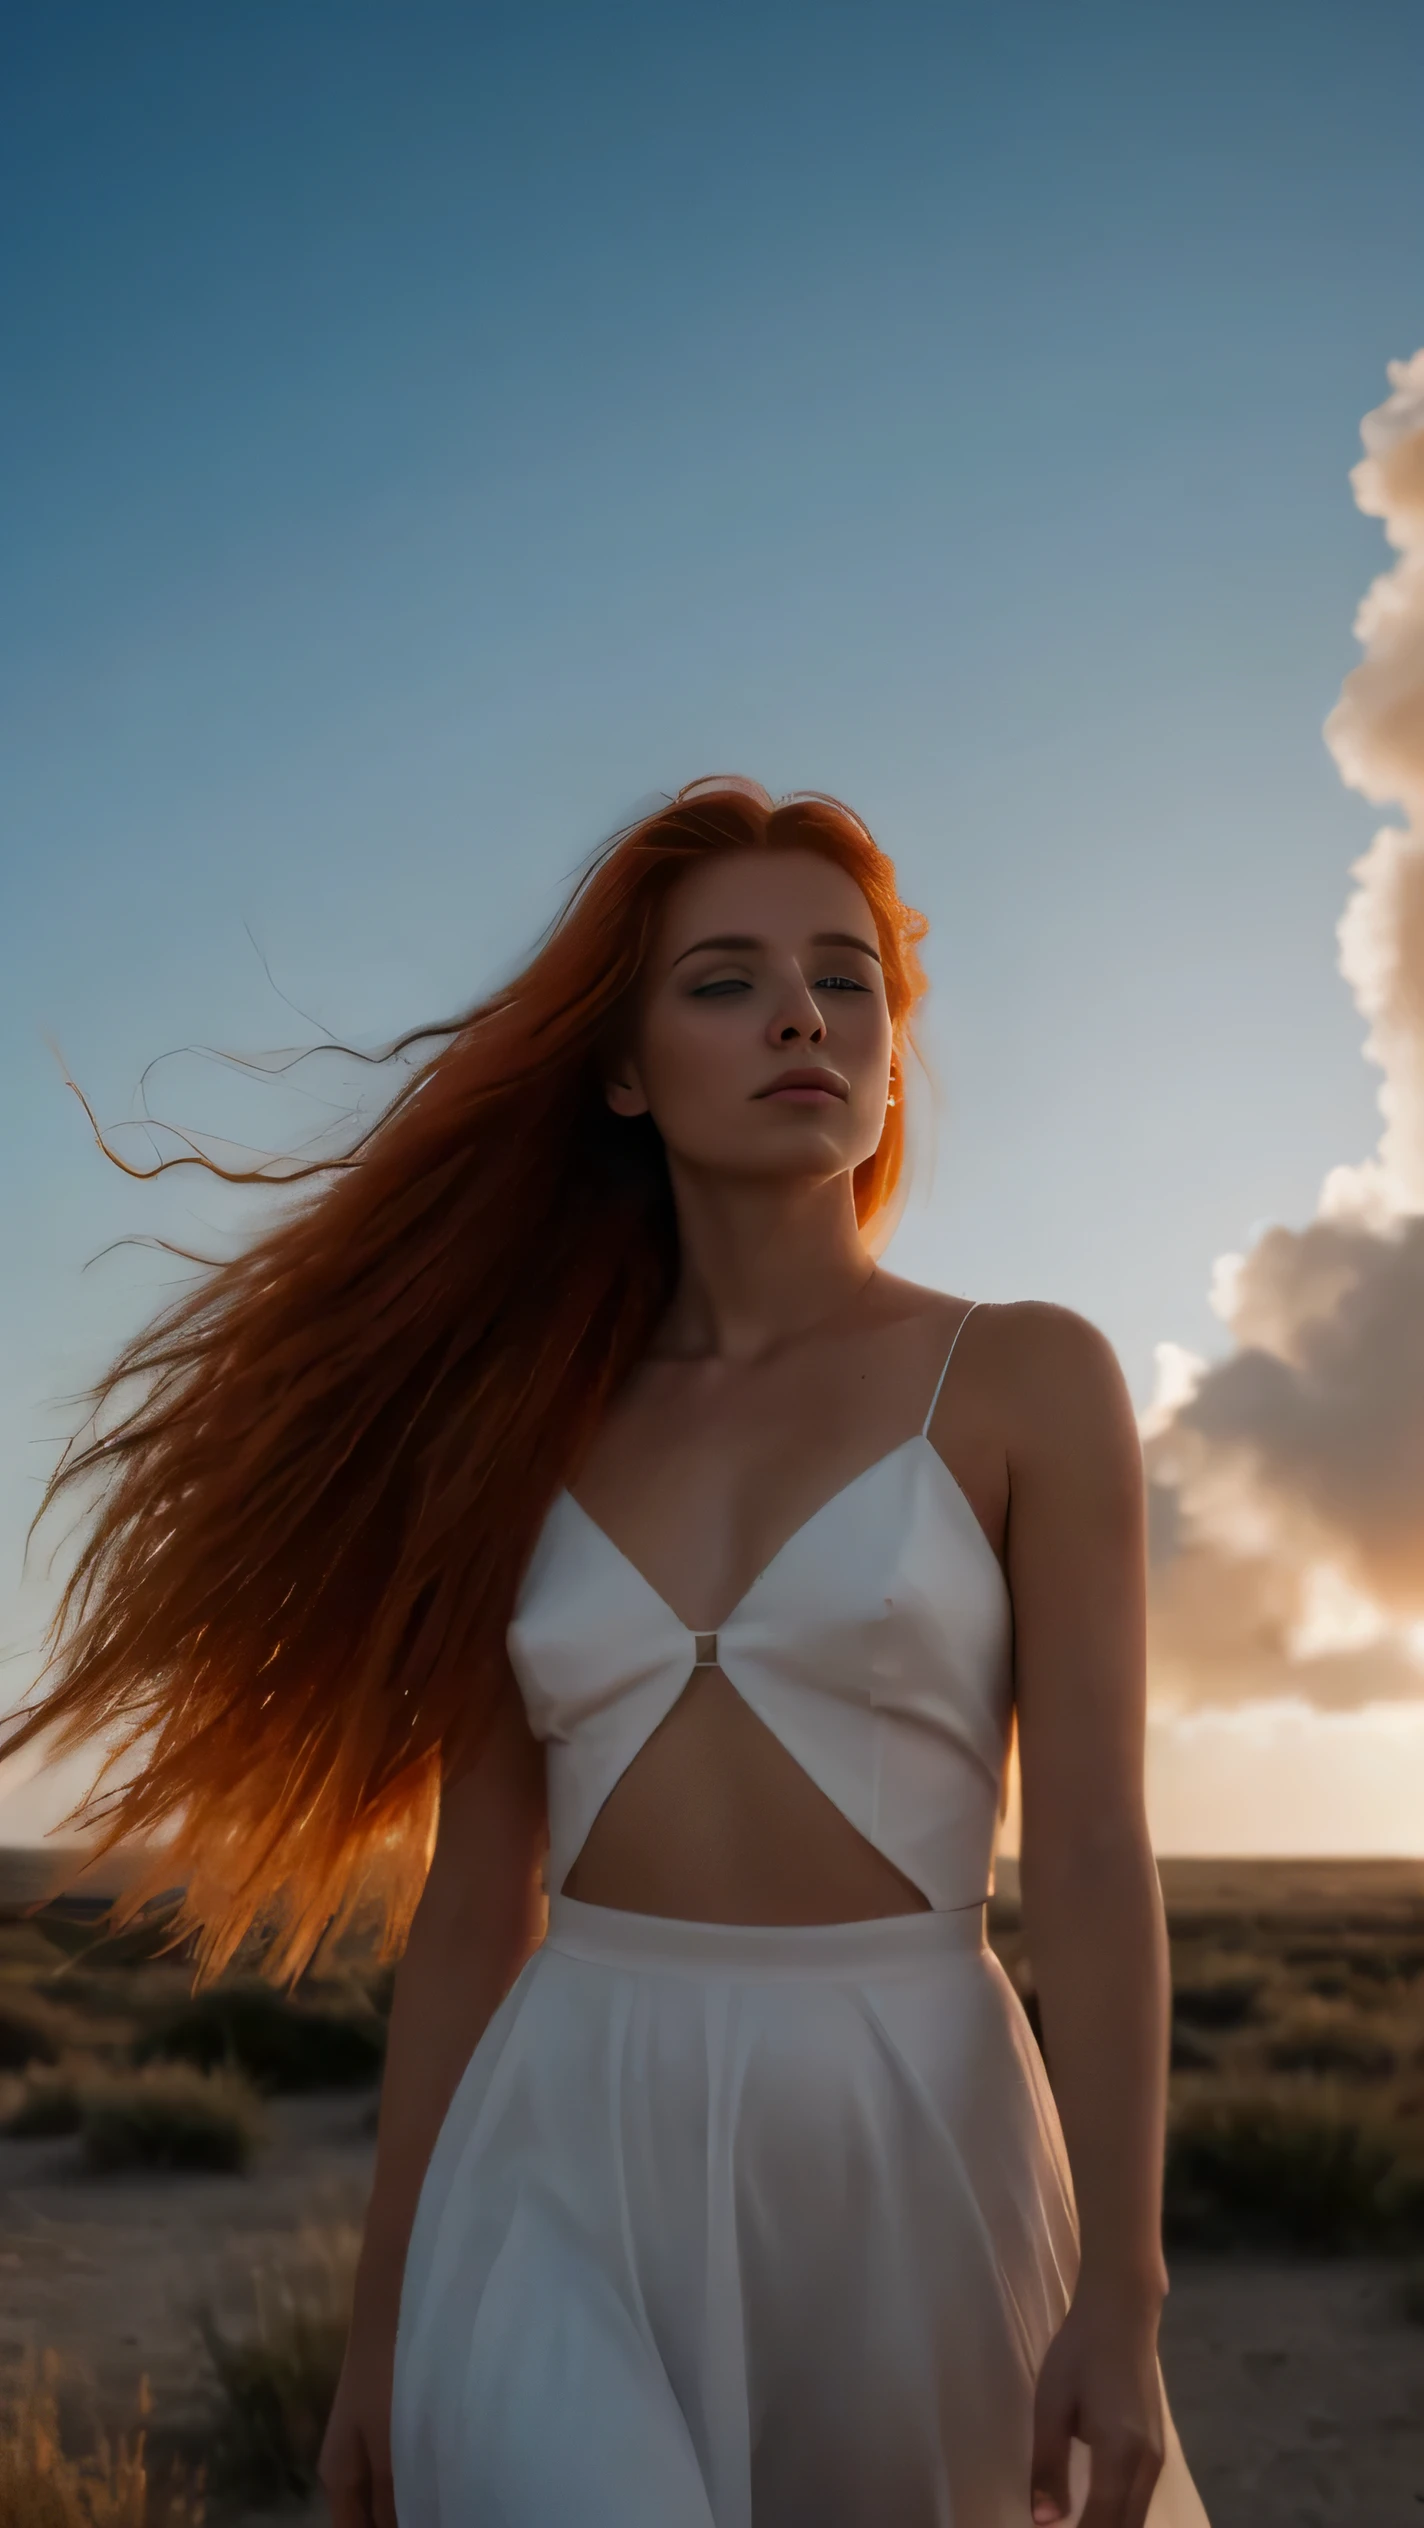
(171, 2116)
(1327, 2041)
(1262, 2169)
(24, 1950)
(278, 2375)
(1330, 1983)
(1189, 2054)
(1218, 2001)
(1390, 1964)
(51, 2102)
(31, 2030)
(279, 2043)
(105, 1996)
(1382, 1960)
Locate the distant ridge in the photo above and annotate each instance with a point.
(32, 1872)
(1370, 1891)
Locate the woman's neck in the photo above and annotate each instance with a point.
(761, 1264)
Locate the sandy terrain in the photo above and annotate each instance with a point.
(106, 2269)
(1298, 2389)
(1297, 2386)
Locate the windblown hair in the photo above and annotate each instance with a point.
(302, 1542)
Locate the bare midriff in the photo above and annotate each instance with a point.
(714, 1821)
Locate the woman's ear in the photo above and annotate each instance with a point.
(624, 1090)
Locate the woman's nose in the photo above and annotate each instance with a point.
(799, 1014)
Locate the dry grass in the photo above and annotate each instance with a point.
(1216, 1993)
(44, 2485)
(1305, 2128)
(277, 2373)
(1313, 2169)
(1297, 2116)
(1297, 2122)
(1332, 2037)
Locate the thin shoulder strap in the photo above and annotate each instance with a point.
(949, 1355)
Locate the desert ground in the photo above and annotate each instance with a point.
(1292, 2340)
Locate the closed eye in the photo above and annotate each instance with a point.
(719, 986)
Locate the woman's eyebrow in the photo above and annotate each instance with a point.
(819, 939)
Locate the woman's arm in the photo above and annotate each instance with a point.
(479, 1917)
(1092, 1906)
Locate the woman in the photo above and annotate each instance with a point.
(572, 1455)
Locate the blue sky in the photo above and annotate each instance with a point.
(427, 432)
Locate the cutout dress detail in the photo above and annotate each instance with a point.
(754, 2226)
(876, 1645)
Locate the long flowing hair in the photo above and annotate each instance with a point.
(304, 1530)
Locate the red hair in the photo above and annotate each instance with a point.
(310, 1528)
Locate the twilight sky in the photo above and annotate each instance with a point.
(427, 433)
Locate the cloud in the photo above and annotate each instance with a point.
(1287, 1480)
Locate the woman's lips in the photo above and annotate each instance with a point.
(808, 1084)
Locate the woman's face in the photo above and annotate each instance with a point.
(762, 1045)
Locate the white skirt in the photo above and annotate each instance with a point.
(742, 2227)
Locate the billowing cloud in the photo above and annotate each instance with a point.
(1287, 1480)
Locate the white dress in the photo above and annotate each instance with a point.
(739, 2226)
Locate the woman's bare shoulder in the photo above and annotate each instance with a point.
(1041, 1333)
(1049, 1371)
(1060, 1382)
(1047, 1332)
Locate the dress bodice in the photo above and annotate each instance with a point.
(876, 1645)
